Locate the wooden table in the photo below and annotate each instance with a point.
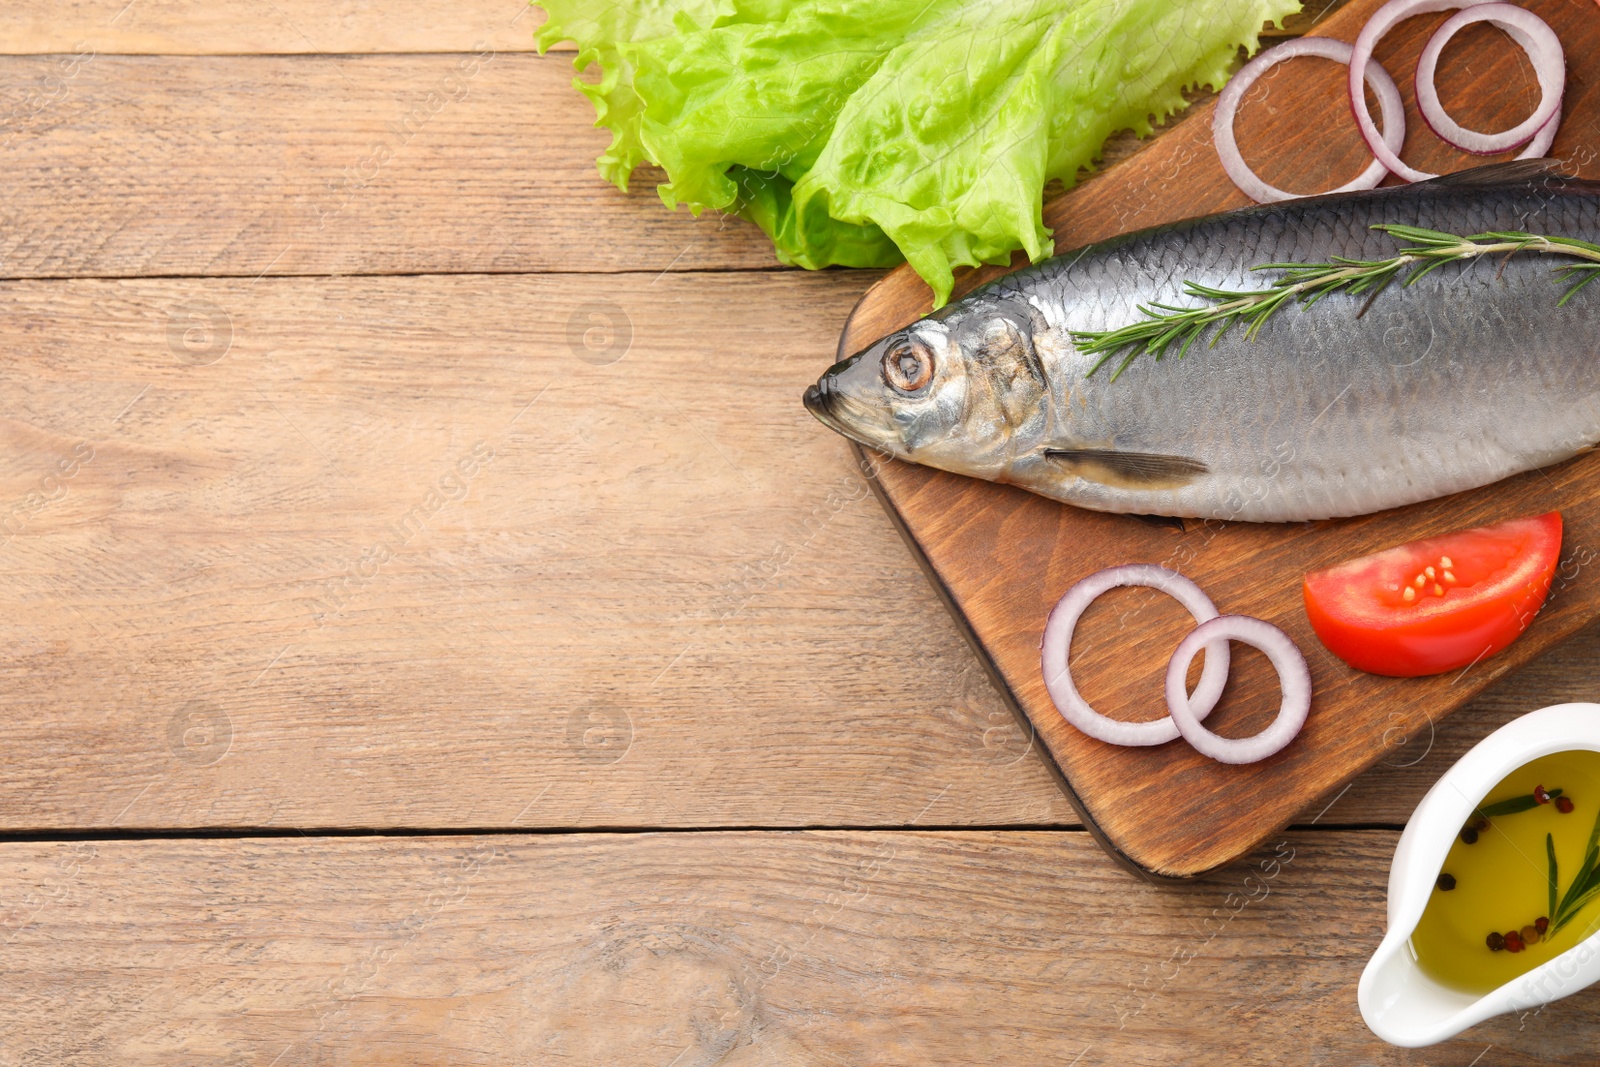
(436, 634)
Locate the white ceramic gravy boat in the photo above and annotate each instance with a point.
(1400, 1003)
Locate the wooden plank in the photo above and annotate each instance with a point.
(313, 160)
(895, 722)
(668, 573)
(256, 569)
(319, 27)
(737, 949)
(291, 27)
(129, 165)
(1001, 556)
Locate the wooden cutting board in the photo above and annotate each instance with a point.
(1001, 557)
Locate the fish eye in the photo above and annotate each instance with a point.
(908, 366)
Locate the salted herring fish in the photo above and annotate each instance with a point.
(1469, 375)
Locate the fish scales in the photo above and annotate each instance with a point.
(1467, 376)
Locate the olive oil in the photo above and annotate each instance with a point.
(1490, 917)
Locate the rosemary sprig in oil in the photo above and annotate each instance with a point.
(1513, 805)
(1560, 908)
(1166, 325)
(1585, 885)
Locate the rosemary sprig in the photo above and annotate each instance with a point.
(1584, 888)
(1165, 325)
(1513, 805)
(1555, 879)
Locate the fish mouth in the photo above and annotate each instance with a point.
(819, 401)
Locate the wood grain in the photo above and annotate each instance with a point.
(318, 27)
(283, 27)
(293, 27)
(135, 165)
(668, 573)
(279, 583)
(1002, 556)
(665, 602)
(804, 949)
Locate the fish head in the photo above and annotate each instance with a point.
(959, 393)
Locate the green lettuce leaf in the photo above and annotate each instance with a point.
(857, 131)
(599, 30)
(814, 241)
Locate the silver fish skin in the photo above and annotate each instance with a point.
(1468, 376)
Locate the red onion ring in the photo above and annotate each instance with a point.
(1293, 676)
(1394, 116)
(1384, 20)
(1539, 147)
(1544, 51)
(1056, 645)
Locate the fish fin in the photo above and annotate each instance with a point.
(1172, 522)
(1129, 470)
(1510, 172)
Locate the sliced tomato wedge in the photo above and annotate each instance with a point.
(1436, 605)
